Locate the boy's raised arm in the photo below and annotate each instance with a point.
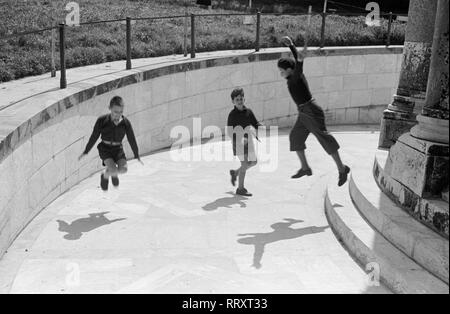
(298, 56)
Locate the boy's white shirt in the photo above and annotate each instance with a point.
(120, 120)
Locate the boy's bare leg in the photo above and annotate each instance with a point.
(303, 160)
(241, 174)
(338, 161)
(343, 169)
(122, 166)
(245, 165)
(111, 168)
(305, 170)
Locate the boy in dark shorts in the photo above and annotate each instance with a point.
(240, 121)
(311, 118)
(112, 128)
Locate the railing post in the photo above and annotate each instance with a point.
(62, 55)
(388, 40)
(192, 35)
(128, 66)
(53, 48)
(258, 30)
(308, 29)
(186, 20)
(322, 32)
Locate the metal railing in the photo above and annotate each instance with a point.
(193, 18)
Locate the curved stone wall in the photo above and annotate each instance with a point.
(42, 136)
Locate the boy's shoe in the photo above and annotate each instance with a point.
(302, 173)
(343, 176)
(233, 177)
(115, 181)
(104, 182)
(243, 192)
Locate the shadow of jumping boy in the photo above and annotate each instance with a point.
(76, 229)
(281, 231)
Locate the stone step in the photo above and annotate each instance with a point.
(374, 253)
(426, 247)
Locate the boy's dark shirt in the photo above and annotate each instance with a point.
(242, 118)
(113, 133)
(297, 84)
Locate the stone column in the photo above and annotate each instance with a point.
(400, 115)
(419, 159)
(434, 120)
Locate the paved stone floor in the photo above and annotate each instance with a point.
(177, 227)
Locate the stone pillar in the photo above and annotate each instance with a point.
(434, 120)
(419, 159)
(400, 116)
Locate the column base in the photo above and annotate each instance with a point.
(403, 103)
(445, 195)
(393, 125)
(420, 165)
(432, 129)
(431, 212)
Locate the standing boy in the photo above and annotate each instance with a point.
(311, 118)
(240, 120)
(112, 128)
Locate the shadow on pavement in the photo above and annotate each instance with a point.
(76, 229)
(281, 231)
(226, 202)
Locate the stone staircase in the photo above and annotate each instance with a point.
(408, 256)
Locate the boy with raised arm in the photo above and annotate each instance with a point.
(311, 118)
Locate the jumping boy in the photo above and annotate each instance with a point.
(240, 120)
(311, 118)
(112, 128)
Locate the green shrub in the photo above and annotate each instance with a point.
(113, 53)
(82, 56)
(96, 39)
(5, 73)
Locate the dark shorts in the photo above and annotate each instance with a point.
(106, 151)
(311, 119)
